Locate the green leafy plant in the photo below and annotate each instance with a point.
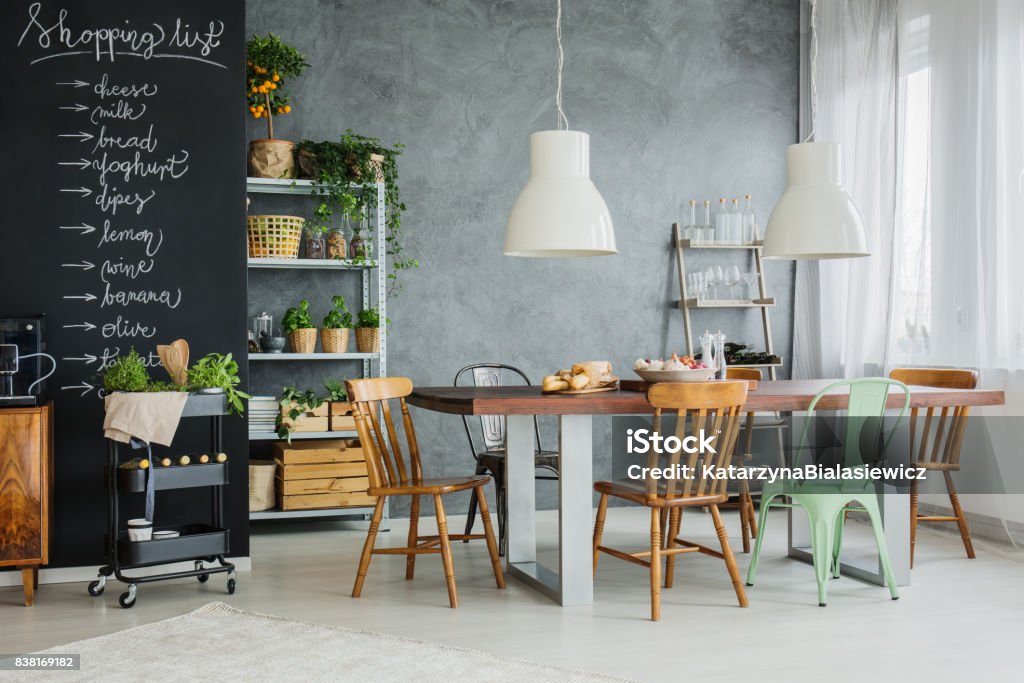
(126, 373)
(268, 63)
(164, 385)
(215, 371)
(338, 317)
(295, 403)
(370, 317)
(335, 390)
(297, 318)
(344, 170)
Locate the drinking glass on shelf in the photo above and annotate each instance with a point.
(749, 279)
(731, 278)
(699, 286)
(712, 281)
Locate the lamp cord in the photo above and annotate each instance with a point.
(562, 122)
(814, 68)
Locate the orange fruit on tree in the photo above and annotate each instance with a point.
(287, 109)
(276, 78)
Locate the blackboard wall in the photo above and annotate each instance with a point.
(124, 202)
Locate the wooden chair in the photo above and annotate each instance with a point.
(715, 408)
(945, 434)
(745, 502)
(389, 476)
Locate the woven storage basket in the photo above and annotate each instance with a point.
(274, 236)
(261, 484)
(334, 340)
(303, 341)
(368, 339)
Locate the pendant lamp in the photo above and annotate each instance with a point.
(559, 213)
(815, 218)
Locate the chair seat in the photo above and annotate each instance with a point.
(547, 459)
(636, 491)
(431, 486)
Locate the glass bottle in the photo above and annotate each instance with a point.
(749, 223)
(691, 231)
(707, 230)
(722, 222)
(735, 223)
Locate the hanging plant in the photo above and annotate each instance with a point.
(341, 170)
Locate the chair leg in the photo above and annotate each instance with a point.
(414, 519)
(446, 551)
(961, 520)
(655, 564)
(602, 510)
(371, 538)
(913, 520)
(670, 540)
(823, 528)
(492, 544)
(752, 516)
(743, 498)
(501, 498)
(837, 541)
(871, 507)
(762, 521)
(471, 513)
(730, 559)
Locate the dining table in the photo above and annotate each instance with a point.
(571, 582)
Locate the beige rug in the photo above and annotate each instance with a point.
(220, 643)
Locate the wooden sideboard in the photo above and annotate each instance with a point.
(26, 491)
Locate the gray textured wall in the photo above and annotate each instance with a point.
(682, 99)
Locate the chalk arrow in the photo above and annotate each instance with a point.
(77, 107)
(84, 191)
(86, 296)
(88, 327)
(84, 227)
(76, 83)
(84, 386)
(84, 264)
(81, 135)
(87, 358)
(82, 163)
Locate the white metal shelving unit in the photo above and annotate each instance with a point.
(373, 276)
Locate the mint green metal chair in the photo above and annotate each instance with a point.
(826, 502)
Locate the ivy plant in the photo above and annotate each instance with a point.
(295, 404)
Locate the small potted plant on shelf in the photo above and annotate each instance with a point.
(126, 373)
(368, 330)
(335, 330)
(300, 411)
(269, 62)
(216, 373)
(299, 328)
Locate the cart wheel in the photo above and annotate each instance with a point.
(127, 600)
(231, 586)
(203, 578)
(96, 588)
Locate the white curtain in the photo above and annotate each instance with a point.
(927, 99)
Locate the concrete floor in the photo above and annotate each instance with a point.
(960, 620)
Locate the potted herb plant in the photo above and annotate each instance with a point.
(269, 63)
(368, 330)
(336, 326)
(126, 373)
(341, 168)
(299, 328)
(297, 407)
(218, 373)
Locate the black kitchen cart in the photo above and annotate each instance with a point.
(199, 543)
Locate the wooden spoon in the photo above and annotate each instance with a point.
(170, 358)
(182, 374)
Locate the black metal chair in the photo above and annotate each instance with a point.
(491, 459)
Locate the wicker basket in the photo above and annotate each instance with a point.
(303, 340)
(274, 236)
(368, 339)
(334, 340)
(261, 484)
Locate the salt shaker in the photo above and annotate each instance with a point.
(707, 350)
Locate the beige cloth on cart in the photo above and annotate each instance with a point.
(150, 417)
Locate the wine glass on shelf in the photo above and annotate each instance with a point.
(749, 279)
(712, 281)
(700, 287)
(731, 278)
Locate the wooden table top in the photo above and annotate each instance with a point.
(769, 396)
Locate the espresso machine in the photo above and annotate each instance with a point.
(22, 360)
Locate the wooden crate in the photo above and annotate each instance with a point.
(332, 485)
(320, 501)
(322, 411)
(323, 470)
(305, 452)
(307, 423)
(341, 417)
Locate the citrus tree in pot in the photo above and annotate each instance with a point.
(336, 326)
(299, 328)
(269, 62)
(368, 330)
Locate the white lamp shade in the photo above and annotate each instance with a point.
(559, 213)
(815, 218)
